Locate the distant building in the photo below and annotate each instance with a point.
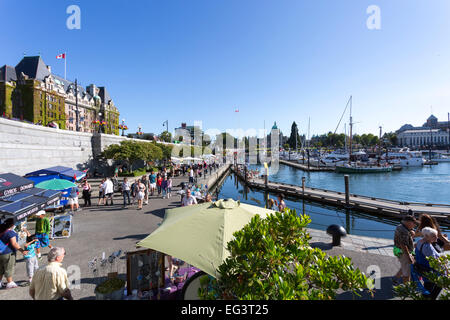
(191, 129)
(31, 92)
(432, 132)
(275, 130)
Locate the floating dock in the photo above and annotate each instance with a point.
(305, 166)
(378, 206)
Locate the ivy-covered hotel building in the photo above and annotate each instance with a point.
(31, 92)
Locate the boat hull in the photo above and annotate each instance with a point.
(345, 169)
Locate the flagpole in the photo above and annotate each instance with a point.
(65, 66)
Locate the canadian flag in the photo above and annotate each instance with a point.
(237, 110)
(61, 56)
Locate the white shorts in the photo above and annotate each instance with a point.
(153, 185)
(73, 201)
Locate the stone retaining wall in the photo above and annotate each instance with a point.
(27, 147)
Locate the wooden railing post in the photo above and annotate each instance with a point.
(347, 191)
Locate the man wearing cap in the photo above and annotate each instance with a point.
(403, 239)
(42, 231)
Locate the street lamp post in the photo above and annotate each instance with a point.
(123, 127)
(100, 122)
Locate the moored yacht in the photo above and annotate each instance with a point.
(405, 158)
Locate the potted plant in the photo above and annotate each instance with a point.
(110, 289)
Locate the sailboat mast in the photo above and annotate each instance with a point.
(345, 136)
(351, 131)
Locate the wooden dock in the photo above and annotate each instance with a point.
(305, 167)
(378, 206)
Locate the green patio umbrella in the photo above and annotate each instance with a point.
(55, 184)
(199, 234)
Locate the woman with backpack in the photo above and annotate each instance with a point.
(8, 249)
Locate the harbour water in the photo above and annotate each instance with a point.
(420, 184)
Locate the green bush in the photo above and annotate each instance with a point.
(110, 285)
(135, 173)
(270, 259)
(441, 277)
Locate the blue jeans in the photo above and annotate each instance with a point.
(126, 194)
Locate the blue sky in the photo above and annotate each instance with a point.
(281, 61)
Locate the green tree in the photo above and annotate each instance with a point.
(391, 137)
(166, 136)
(271, 259)
(153, 152)
(294, 133)
(166, 151)
(128, 151)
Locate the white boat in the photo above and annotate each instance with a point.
(405, 158)
(441, 158)
(436, 156)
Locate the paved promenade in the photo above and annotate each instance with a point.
(110, 228)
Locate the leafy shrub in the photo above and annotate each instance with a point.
(271, 259)
(135, 173)
(110, 285)
(441, 277)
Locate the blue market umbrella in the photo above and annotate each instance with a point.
(55, 184)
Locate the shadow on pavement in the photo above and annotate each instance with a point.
(157, 212)
(384, 293)
(321, 245)
(371, 248)
(134, 236)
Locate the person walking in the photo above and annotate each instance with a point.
(164, 187)
(281, 203)
(101, 193)
(126, 192)
(42, 231)
(140, 194)
(73, 199)
(31, 260)
(169, 186)
(109, 191)
(51, 282)
(158, 183)
(8, 248)
(86, 193)
(134, 191)
(404, 246)
(146, 184)
(191, 175)
(152, 183)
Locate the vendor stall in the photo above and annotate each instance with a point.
(19, 199)
(58, 172)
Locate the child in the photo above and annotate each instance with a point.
(169, 186)
(31, 259)
(42, 232)
(164, 187)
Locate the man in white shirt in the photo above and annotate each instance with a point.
(109, 191)
(188, 199)
(126, 191)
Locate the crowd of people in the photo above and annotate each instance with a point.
(31, 250)
(413, 255)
